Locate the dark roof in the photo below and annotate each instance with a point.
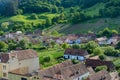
(95, 63)
(76, 52)
(101, 75)
(4, 58)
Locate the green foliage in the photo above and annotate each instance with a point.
(48, 22)
(110, 51)
(3, 46)
(33, 16)
(75, 61)
(75, 46)
(47, 59)
(65, 46)
(52, 44)
(23, 44)
(99, 68)
(112, 9)
(102, 57)
(107, 32)
(98, 51)
(90, 46)
(118, 45)
(12, 46)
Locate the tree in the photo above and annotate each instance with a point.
(90, 46)
(12, 46)
(98, 51)
(109, 50)
(10, 8)
(3, 46)
(4, 26)
(65, 46)
(23, 44)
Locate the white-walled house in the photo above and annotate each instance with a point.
(19, 59)
(75, 54)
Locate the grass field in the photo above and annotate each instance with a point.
(25, 18)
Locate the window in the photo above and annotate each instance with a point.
(4, 74)
(4, 67)
(23, 79)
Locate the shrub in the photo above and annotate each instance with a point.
(99, 68)
(102, 57)
(47, 59)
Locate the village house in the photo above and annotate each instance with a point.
(113, 41)
(17, 36)
(101, 40)
(75, 72)
(75, 54)
(18, 59)
(72, 39)
(95, 63)
(54, 72)
(65, 71)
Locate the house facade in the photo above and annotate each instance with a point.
(75, 54)
(19, 59)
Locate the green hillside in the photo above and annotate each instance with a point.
(64, 16)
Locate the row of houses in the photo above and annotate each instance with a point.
(69, 71)
(37, 37)
(25, 65)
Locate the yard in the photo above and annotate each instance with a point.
(52, 53)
